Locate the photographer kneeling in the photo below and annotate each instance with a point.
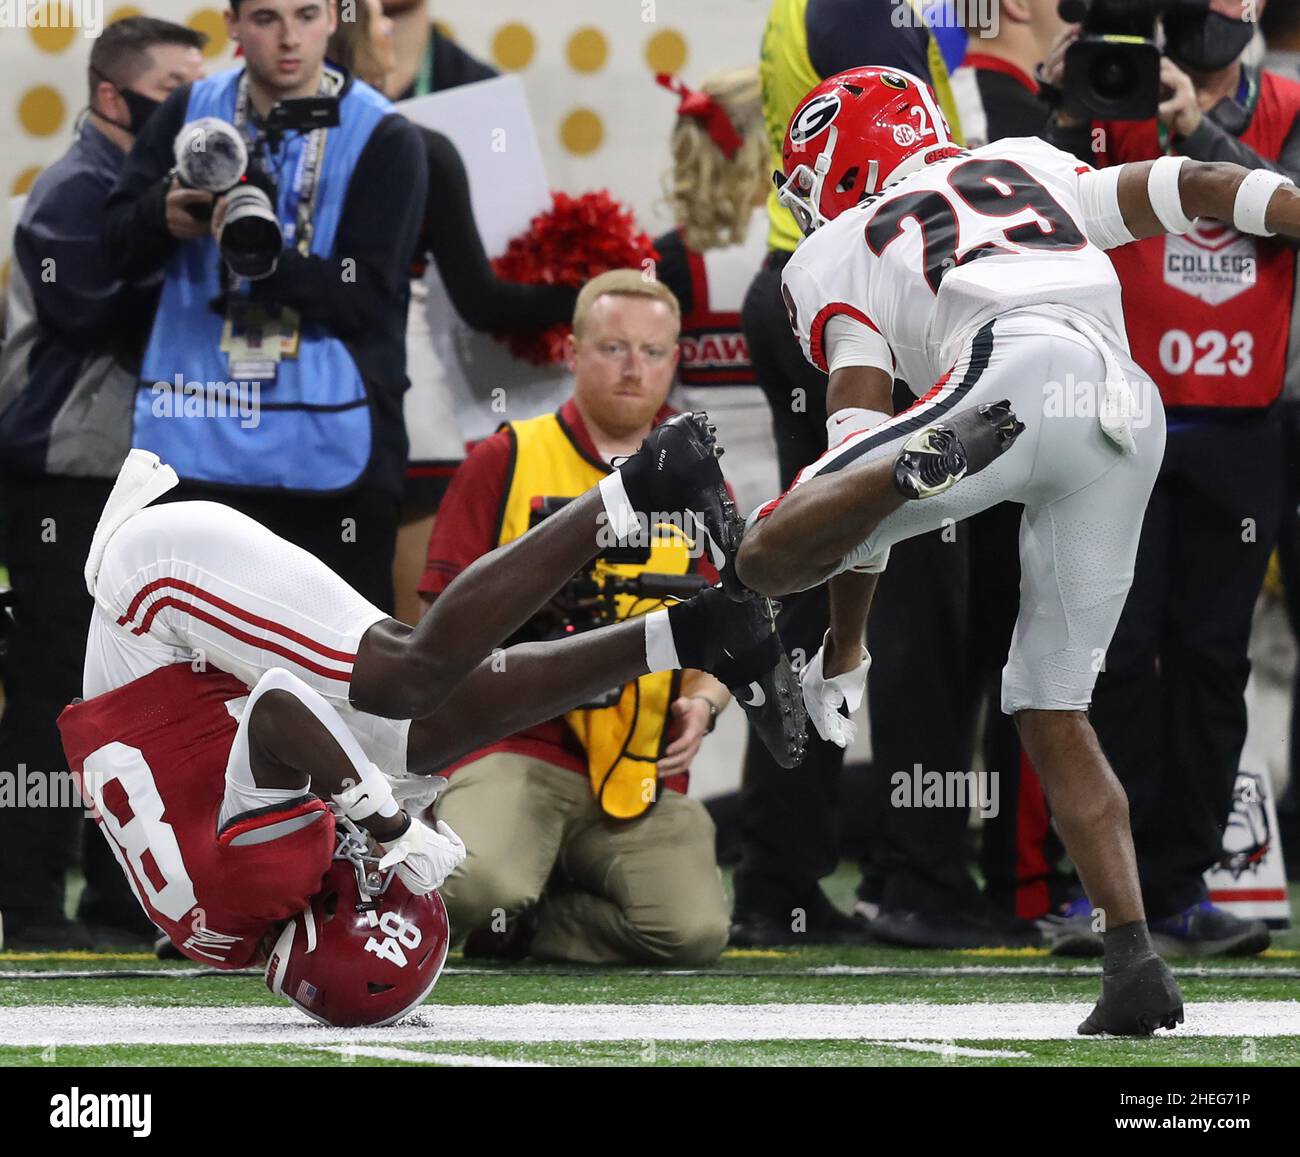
(281, 200)
(583, 845)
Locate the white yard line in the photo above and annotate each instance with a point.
(945, 1050)
(96, 1024)
(464, 1060)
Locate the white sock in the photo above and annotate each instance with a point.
(623, 518)
(660, 650)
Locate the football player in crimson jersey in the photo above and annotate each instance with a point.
(979, 279)
(233, 683)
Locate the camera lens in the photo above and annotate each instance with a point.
(250, 238)
(1111, 76)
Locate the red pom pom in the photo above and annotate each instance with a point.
(577, 239)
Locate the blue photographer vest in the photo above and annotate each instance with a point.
(310, 428)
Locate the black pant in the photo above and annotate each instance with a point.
(49, 523)
(787, 818)
(1169, 707)
(354, 534)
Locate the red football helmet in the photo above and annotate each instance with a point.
(854, 134)
(366, 951)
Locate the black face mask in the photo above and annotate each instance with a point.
(140, 107)
(1205, 41)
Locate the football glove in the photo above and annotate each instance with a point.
(824, 697)
(424, 857)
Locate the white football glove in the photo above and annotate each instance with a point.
(824, 697)
(424, 858)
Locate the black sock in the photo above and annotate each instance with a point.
(1126, 944)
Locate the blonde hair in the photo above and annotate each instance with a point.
(352, 47)
(622, 283)
(713, 198)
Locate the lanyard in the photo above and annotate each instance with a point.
(306, 178)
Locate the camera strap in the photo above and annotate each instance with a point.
(306, 178)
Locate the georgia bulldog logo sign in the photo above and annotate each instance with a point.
(815, 117)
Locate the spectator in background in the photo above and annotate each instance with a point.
(321, 461)
(579, 830)
(788, 828)
(427, 60)
(450, 238)
(717, 188)
(1280, 24)
(997, 95)
(1210, 314)
(65, 426)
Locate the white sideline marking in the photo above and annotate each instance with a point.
(946, 1050)
(90, 1024)
(464, 1060)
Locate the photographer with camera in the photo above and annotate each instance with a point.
(583, 845)
(1210, 314)
(282, 202)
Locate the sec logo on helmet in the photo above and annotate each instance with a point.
(815, 117)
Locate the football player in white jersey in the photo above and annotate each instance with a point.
(979, 279)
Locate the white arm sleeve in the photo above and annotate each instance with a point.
(848, 342)
(1099, 199)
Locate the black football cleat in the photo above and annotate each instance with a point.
(750, 659)
(677, 468)
(1136, 1001)
(937, 458)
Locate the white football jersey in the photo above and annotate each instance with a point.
(947, 249)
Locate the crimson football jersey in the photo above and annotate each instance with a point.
(150, 760)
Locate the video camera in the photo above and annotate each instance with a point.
(1112, 72)
(590, 598)
(211, 155)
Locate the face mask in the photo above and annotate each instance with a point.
(140, 107)
(1205, 41)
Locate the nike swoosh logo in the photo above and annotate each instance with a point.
(758, 698)
(716, 553)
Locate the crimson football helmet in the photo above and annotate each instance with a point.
(366, 951)
(854, 134)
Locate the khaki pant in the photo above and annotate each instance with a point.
(609, 891)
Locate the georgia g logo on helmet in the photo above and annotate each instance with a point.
(815, 117)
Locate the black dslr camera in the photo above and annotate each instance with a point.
(211, 155)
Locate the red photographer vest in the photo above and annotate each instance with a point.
(1209, 312)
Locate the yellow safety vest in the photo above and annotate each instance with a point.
(624, 741)
(788, 76)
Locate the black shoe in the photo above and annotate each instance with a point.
(1206, 930)
(936, 458)
(1136, 1001)
(749, 658)
(676, 470)
(952, 930)
(61, 935)
(815, 925)
(511, 943)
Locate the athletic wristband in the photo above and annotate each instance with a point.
(852, 420)
(1253, 195)
(372, 796)
(1162, 189)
